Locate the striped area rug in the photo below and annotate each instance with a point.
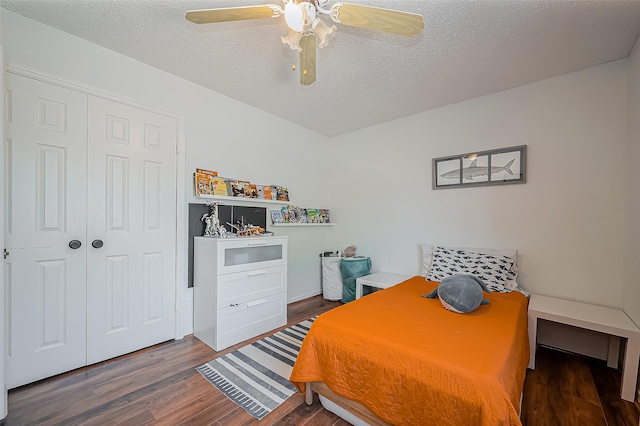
(256, 376)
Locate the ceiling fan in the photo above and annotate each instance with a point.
(304, 22)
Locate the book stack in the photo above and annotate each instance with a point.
(207, 182)
(294, 214)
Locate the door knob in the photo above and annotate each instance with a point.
(75, 244)
(97, 243)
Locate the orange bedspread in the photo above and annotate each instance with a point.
(412, 362)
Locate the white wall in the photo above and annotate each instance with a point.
(566, 221)
(632, 206)
(632, 264)
(221, 134)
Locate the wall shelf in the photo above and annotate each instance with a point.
(302, 224)
(231, 200)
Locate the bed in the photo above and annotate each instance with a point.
(394, 357)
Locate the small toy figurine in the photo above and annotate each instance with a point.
(249, 230)
(213, 227)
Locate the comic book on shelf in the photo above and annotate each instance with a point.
(323, 216)
(282, 193)
(276, 216)
(202, 180)
(245, 186)
(285, 214)
(312, 216)
(266, 192)
(220, 186)
(202, 185)
(207, 172)
(237, 190)
(253, 190)
(274, 192)
(295, 214)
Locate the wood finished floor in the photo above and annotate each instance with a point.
(159, 386)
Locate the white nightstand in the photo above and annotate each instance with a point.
(378, 280)
(591, 317)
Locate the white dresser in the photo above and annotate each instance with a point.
(240, 288)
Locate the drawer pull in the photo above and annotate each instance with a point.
(253, 273)
(256, 303)
(256, 243)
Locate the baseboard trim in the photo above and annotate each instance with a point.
(305, 296)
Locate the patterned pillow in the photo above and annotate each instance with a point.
(427, 256)
(493, 270)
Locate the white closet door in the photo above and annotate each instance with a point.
(45, 189)
(131, 210)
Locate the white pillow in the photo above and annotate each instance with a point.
(493, 270)
(511, 283)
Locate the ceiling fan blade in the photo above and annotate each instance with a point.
(308, 59)
(208, 16)
(374, 18)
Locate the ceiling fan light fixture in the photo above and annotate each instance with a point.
(303, 19)
(294, 16)
(322, 30)
(309, 13)
(293, 40)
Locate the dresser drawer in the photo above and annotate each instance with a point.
(244, 254)
(249, 319)
(245, 286)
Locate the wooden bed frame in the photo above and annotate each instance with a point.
(358, 410)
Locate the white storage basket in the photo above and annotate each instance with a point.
(331, 278)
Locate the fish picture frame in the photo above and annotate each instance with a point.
(493, 167)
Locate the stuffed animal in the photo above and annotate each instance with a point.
(349, 251)
(460, 293)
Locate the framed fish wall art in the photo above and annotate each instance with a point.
(494, 167)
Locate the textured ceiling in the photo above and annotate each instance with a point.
(468, 49)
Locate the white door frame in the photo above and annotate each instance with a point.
(3, 307)
(181, 216)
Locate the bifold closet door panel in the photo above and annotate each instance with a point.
(90, 228)
(45, 223)
(131, 229)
